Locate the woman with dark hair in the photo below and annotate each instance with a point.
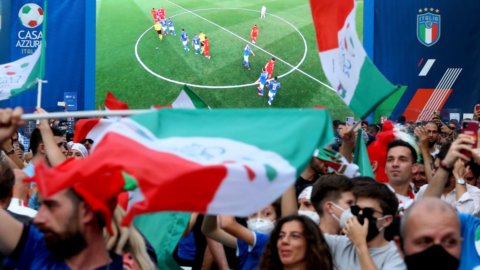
(288, 245)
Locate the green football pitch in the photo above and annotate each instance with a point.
(138, 68)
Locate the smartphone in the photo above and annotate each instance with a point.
(350, 121)
(476, 109)
(470, 128)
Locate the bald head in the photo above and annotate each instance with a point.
(428, 222)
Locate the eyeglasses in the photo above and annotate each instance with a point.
(366, 211)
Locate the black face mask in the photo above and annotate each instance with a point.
(372, 226)
(434, 257)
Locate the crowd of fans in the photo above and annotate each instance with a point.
(419, 211)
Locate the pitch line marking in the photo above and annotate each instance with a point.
(217, 86)
(220, 86)
(281, 60)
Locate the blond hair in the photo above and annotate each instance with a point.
(128, 240)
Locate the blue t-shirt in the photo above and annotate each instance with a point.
(274, 86)
(170, 23)
(163, 23)
(263, 77)
(196, 41)
(184, 36)
(470, 230)
(249, 256)
(186, 248)
(247, 51)
(32, 253)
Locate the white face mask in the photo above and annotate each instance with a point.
(310, 214)
(261, 225)
(346, 214)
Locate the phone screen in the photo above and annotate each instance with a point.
(350, 121)
(470, 128)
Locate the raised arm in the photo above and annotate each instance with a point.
(211, 229)
(289, 202)
(10, 228)
(236, 230)
(54, 154)
(462, 143)
(422, 135)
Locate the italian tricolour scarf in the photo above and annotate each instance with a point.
(345, 63)
(208, 161)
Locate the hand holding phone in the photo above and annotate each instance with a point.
(470, 128)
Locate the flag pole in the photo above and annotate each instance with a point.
(40, 82)
(82, 114)
(41, 75)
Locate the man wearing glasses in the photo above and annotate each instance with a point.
(364, 245)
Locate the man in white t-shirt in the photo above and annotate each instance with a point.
(263, 12)
(401, 156)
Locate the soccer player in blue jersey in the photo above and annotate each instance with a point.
(171, 27)
(246, 54)
(164, 26)
(196, 44)
(274, 86)
(184, 38)
(262, 80)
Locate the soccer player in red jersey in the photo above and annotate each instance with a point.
(161, 13)
(206, 48)
(269, 67)
(254, 33)
(154, 14)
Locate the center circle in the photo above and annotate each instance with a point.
(219, 86)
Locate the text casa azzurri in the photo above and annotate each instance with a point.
(29, 39)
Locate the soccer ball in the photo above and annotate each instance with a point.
(31, 15)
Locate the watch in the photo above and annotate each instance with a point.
(461, 181)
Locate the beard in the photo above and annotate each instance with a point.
(65, 245)
(431, 144)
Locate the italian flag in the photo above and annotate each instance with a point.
(18, 76)
(345, 64)
(186, 99)
(208, 161)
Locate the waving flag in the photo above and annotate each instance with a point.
(360, 156)
(345, 63)
(186, 99)
(207, 161)
(112, 103)
(20, 75)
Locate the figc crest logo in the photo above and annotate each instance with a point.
(31, 15)
(428, 26)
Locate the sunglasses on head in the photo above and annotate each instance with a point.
(366, 211)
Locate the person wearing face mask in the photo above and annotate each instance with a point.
(305, 205)
(430, 229)
(249, 241)
(364, 246)
(469, 224)
(331, 196)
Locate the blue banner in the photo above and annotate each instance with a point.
(5, 31)
(65, 49)
(433, 46)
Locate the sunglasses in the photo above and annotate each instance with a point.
(366, 211)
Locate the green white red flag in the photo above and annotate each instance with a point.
(186, 99)
(207, 161)
(20, 75)
(345, 63)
